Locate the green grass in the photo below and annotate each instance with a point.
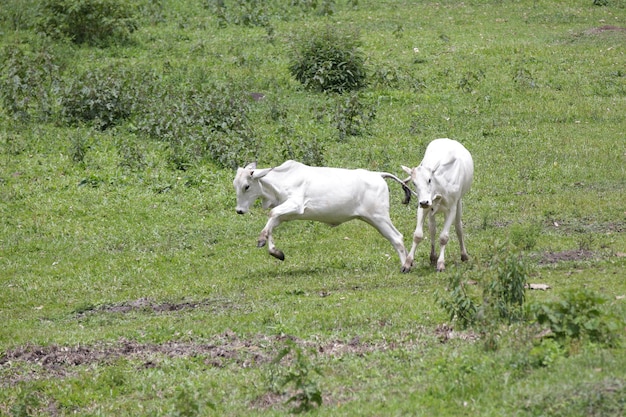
(133, 288)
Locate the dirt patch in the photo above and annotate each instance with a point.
(446, 333)
(605, 28)
(568, 255)
(34, 362)
(148, 305)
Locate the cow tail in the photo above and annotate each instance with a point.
(405, 187)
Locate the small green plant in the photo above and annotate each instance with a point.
(460, 306)
(579, 316)
(188, 403)
(328, 60)
(296, 377)
(545, 353)
(506, 293)
(503, 292)
(352, 116)
(524, 236)
(94, 22)
(28, 403)
(78, 147)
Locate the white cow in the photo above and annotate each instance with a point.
(294, 191)
(441, 179)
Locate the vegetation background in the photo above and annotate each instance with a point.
(129, 286)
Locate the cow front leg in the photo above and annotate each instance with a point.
(277, 215)
(266, 238)
(418, 236)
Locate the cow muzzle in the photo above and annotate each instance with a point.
(425, 204)
(241, 211)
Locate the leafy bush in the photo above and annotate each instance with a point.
(579, 316)
(94, 22)
(329, 60)
(101, 97)
(27, 79)
(211, 122)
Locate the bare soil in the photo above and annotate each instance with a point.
(30, 362)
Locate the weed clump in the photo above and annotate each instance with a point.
(328, 60)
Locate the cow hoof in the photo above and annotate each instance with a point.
(278, 255)
(441, 267)
(261, 243)
(464, 258)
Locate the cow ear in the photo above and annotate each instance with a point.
(260, 173)
(251, 166)
(407, 170)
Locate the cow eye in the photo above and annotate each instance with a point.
(246, 187)
(429, 180)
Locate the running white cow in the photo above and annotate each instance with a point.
(441, 179)
(294, 191)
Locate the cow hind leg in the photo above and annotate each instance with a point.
(388, 230)
(458, 227)
(444, 237)
(418, 236)
(432, 230)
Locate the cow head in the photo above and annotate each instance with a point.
(247, 186)
(426, 186)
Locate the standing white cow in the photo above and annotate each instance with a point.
(441, 179)
(294, 191)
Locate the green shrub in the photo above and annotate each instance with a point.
(329, 60)
(101, 97)
(94, 22)
(211, 122)
(579, 316)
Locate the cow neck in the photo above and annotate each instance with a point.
(269, 193)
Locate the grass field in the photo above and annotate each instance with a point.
(129, 285)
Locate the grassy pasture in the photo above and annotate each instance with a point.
(131, 287)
